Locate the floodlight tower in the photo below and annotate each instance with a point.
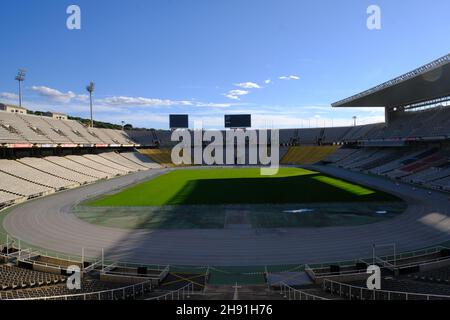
(20, 78)
(90, 88)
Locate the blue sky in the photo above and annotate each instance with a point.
(284, 61)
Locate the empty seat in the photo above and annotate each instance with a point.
(28, 173)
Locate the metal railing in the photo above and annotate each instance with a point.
(179, 294)
(16, 243)
(294, 294)
(360, 293)
(123, 293)
(397, 258)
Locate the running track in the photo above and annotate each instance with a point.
(48, 223)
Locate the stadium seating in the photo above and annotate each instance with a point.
(87, 286)
(307, 155)
(77, 167)
(100, 134)
(335, 135)
(288, 136)
(12, 277)
(9, 134)
(120, 160)
(119, 137)
(26, 132)
(140, 159)
(309, 136)
(56, 170)
(443, 184)
(28, 173)
(31, 177)
(51, 132)
(161, 156)
(144, 137)
(61, 126)
(18, 186)
(164, 138)
(80, 129)
(21, 128)
(108, 165)
(423, 123)
(340, 154)
(392, 289)
(7, 198)
(88, 163)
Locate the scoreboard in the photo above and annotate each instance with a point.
(238, 121)
(179, 121)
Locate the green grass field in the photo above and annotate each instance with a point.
(222, 198)
(240, 186)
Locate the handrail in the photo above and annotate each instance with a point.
(399, 256)
(374, 292)
(185, 292)
(291, 293)
(94, 294)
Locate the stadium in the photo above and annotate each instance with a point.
(176, 154)
(112, 203)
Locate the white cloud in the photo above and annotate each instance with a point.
(140, 101)
(236, 94)
(248, 85)
(215, 105)
(116, 103)
(268, 81)
(292, 77)
(58, 96)
(9, 96)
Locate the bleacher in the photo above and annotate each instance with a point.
(18, 186)
(144, 137)
(117, 158)
(439, 275)
(56, 170)
(29, 290)
(39, 123)
(309, 136)
(423, 123)
(89, 163)
(307, 154)
(31, 177)
(77, 167)
(335, 135)
(107, 164)
(392, 289)
(42, 130)
(161, 156)
(30, 174)
(427, 165)
(26, 274)
(140, 159)
(24, 131)
(339, 155)
(12, 277)
(7, 198)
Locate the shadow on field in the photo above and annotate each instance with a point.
(296, 189)
(225, 246)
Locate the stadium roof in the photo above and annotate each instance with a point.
(429, 82)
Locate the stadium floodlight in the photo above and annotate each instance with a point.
(20, 78)
(90, 88)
